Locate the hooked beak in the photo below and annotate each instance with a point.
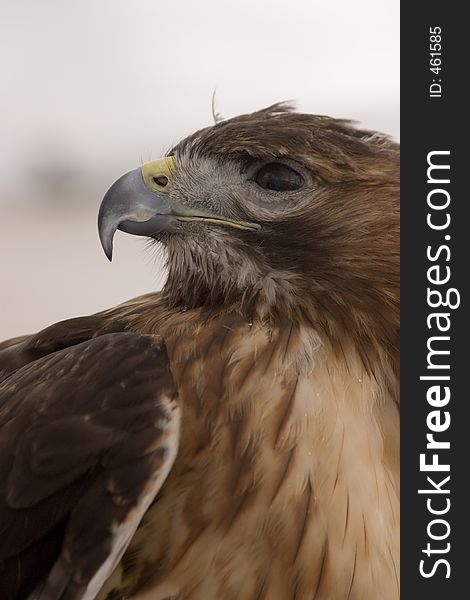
(138, 203)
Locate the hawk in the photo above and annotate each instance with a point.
(235, 435)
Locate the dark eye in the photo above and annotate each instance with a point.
(278, 177)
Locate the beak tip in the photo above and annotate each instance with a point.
(107, 249)
(106, 242)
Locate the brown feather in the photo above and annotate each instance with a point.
(283, 346)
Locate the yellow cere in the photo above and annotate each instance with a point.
(159, 174)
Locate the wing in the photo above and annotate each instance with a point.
(88, 434)
(20, 351)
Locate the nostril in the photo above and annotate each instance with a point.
(161, 180)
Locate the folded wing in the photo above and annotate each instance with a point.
(88, 433)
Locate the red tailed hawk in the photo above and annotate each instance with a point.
(235, 436)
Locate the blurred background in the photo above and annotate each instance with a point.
(90, 89)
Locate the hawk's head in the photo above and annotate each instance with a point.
(273, 213)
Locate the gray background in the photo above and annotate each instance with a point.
(89, 89)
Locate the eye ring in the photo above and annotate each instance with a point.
(278, 177)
